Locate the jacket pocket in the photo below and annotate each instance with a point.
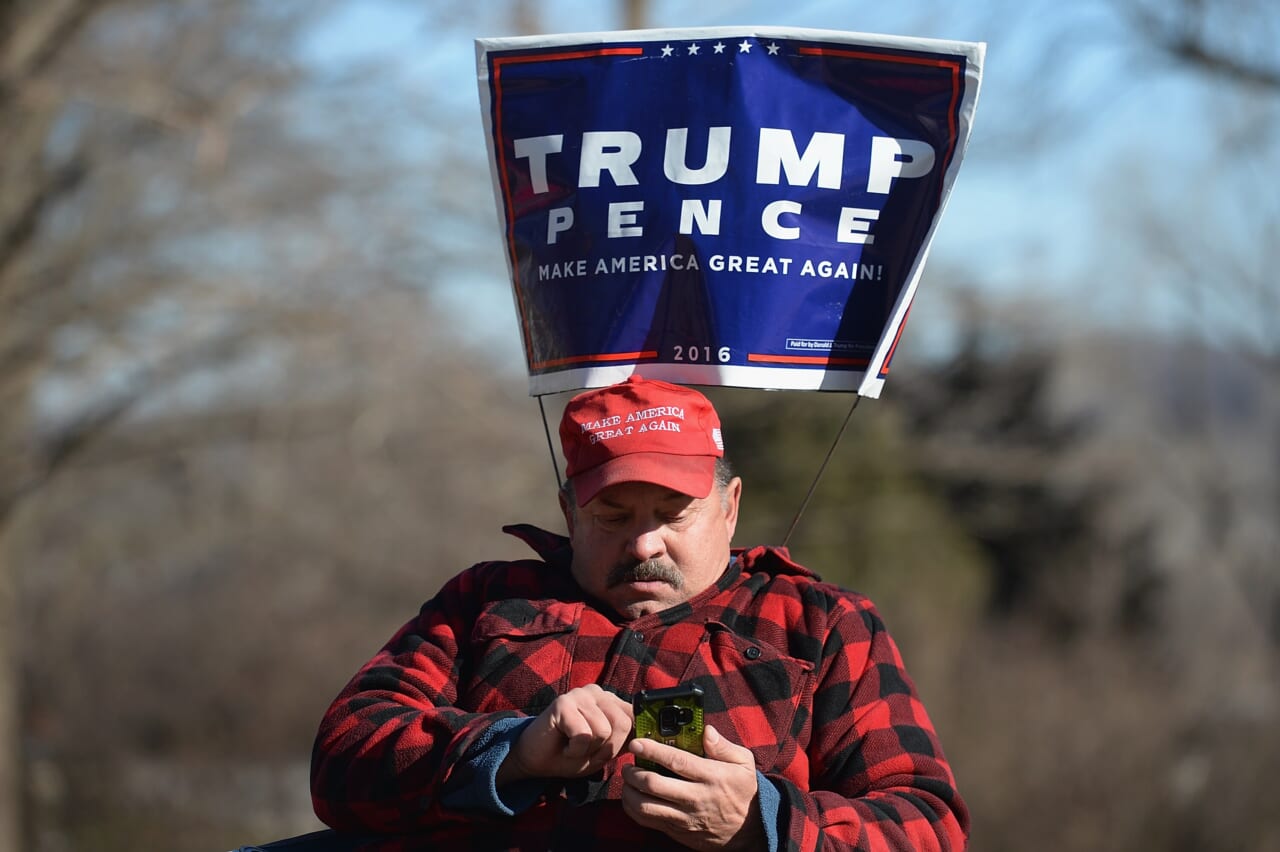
(753, 694)
(519, 653)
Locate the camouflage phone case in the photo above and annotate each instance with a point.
(670, 716)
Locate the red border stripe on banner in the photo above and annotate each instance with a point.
(884, 368)
(587, 359)
(817, 360)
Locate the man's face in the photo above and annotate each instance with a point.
(642, 548)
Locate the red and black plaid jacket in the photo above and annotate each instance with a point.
(801, 672)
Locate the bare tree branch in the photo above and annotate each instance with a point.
(18, 231)
(1187, 32)
(33, 32)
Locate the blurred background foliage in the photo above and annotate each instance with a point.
(259, 396)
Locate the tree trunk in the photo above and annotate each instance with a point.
(635, 14)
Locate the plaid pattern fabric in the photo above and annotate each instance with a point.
(801, 672)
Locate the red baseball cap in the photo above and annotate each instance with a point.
(640, 430)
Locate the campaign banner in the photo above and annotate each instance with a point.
(748, 207)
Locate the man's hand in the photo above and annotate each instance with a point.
(713, 805)
(580, 732)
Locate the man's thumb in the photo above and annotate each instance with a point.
(716, 747)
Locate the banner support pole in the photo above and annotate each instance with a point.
(814, 485)
(551, 448)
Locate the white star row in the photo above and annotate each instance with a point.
(744, 46)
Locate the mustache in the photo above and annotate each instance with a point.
(633, 571)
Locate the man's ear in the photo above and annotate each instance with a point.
(567, 511)
(732, 498)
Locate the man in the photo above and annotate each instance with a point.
(501, 716)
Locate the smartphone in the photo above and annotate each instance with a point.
(672, 716)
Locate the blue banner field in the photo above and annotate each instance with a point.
(747, 207)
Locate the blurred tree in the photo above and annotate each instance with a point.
(1215, 273)
(32, 38)
(1186, 244)
(182, 220)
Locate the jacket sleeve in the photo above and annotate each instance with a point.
(390, 742)
(878, 778)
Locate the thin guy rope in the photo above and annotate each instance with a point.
(551, 448)
(814, 485)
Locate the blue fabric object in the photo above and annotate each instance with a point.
(477, 775)
(770, 804)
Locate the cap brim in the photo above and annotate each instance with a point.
(691, 475)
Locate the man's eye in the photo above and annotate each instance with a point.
(610, 521)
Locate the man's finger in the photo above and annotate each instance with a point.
(680, 762)
(597, 721)
(579, 745)
(621, 719)
(716, 747)
(651, 811)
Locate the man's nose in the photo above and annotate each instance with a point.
(646, 543)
